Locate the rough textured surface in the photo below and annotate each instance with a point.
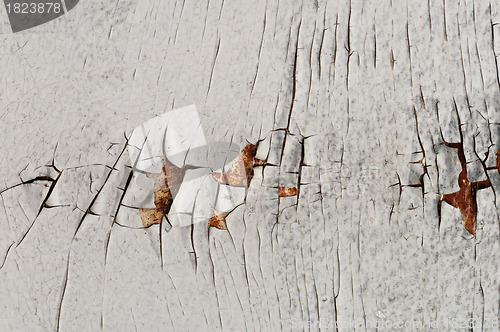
(350, 102)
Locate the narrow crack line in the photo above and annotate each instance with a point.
(106, 251)
(213, 66)
(348, 65)
(51, 189)
(298, 288)
(299, 177)
(260, 49)
(463, 70)
(409, 45)
(482, 297)
(321, 45)
(294, 77)
(65, 283)
(353, 312)
(6, 254)
(312, 254)
(132, 227)
(122, 196)
(444, 21)
(160, 239)
(88, 210)
(334, 50)
(493, 46)
(133, 318)
(275, 236)
(261, 277)
(11, 187)
(423, 161)
(245, 264)
(359, 270)
(215, 284)
(43, 205)
(192, 241)
(313, 38)
(459, 123)
(375, 42)
(474, 285)
(234, 281)
(335, 306)
(309, 318)
(438, 183)
(287, 282)
(42, 178)
(318, 317)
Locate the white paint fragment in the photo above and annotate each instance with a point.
(172, 135)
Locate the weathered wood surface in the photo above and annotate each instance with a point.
(352, 101)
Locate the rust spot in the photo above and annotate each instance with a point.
(241, 171)
(286, 192)
(465, 198)
(166, 186)
(151, 216)
(218, 220)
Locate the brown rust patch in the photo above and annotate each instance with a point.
(286, 192)
(151, 216)
(498, 161)
(241, 171)
(218, 220)
(165, 188)
(465, 198)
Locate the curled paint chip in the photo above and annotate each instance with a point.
(218, 220)
(287, 192)
(241, 170)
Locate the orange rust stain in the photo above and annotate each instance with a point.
(241, 170)
(286, 192)
(150, 216)
(166, 185)
(465, 198)
(218, 220)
